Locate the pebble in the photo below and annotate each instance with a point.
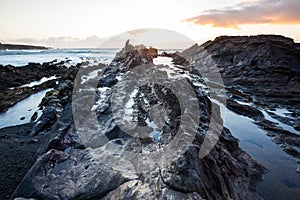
(298, 169)
(34, 116)
(22, 118)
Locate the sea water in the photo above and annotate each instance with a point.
(23, 57)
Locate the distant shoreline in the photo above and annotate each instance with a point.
(21, 47)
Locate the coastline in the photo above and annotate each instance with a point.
(21, 47)
(244, 108)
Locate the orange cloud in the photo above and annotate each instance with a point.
(258, 12)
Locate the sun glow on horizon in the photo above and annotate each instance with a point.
(74, 23)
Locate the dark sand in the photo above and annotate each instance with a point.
(18, 154)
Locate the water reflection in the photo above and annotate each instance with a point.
(24, 108)
(281, 181)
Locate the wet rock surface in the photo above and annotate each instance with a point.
(17, 76)
(261, 75)
(89, 155)
(19, 145)
(13, 78)
(78, 149)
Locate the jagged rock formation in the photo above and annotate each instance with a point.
(262, 72)
(266, 66)
(92, 161)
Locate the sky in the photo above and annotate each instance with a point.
(78, 23)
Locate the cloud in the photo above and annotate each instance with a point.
(279, 12)
(62, 42)
(159, 38)
(137, 32)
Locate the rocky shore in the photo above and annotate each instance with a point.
(18, 147)
(80, 149)
(260, 73)
(68, 167)
(13, 78)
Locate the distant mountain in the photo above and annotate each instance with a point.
(20, 47)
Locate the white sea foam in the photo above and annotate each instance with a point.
(43, 80)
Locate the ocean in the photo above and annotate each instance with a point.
(252, 139)
(20, 58)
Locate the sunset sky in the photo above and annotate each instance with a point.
(74, 23)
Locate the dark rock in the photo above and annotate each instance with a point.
(34, 116)
(69, 167)
(297, 127)
(12, 78)
(268, 69)
(73, 154)
(62, 134)
(108, 81)
(291, 150)
(128, 47)
(261, 71)
(45, 121)
(17, 76)
(10, 97)
(244, 110)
